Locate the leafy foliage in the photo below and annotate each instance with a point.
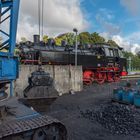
(45, 39)
(23, 39)
(68, 37)
(96, 38)
(84, 38)
(135, 60)
(112, 43)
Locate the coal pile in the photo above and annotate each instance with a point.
(118, 119)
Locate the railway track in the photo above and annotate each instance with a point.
(131, 77)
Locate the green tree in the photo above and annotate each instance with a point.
(128, 54)
(23, 39)
(112, 43)
(45, 38)
(135, 60)
(138, 54)
(68, 37)
(96, 38)
(59, 39)
(84, 38)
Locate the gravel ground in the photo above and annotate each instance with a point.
(76, 113)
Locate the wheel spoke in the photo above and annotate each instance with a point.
(100, 77)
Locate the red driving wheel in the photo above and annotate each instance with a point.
(100, 77)
(117, 78)
(110, 77)
(88, 77)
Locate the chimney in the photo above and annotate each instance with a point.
(36, 39)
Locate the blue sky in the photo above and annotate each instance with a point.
(106, 15)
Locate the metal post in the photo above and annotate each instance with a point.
(11, 89)
(129, 64)
(76, 45)
(13, 25)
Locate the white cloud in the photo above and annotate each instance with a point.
(126, 44)
(122, 42)
(134, 37)
(59, 16)
(133, 6)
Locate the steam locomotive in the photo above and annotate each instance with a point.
(100, 62)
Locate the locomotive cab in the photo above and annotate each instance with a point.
(115, 58)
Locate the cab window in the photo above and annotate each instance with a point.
(116, 54)
(121, 54)
(111, 52)
(107, 52)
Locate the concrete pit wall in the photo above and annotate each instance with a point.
(66, 78)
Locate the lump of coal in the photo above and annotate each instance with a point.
(118, 119)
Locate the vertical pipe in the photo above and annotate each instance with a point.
(13, 24)
(11, 89)
(42, 19)
(129, 64)
(39, 4)
(76, 45)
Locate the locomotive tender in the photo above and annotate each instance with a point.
(100, 62)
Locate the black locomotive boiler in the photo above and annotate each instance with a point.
(100, 62)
